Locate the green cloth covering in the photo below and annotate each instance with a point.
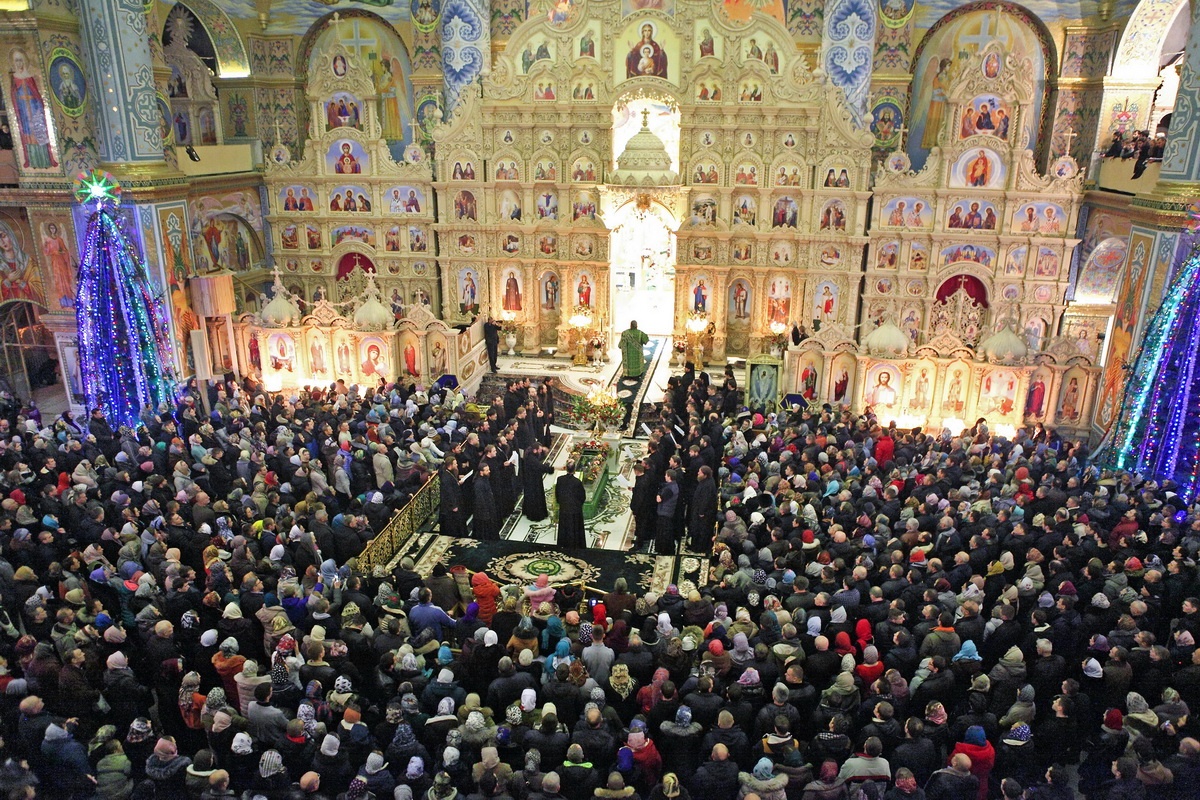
(632, 358)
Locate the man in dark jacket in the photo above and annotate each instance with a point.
(717, 778)
(955, 782)
(917, 752)
(491, 340)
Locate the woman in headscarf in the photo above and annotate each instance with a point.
(404, 746)
(621, 691)
(562, 655)
(648, 696)
(827, 785)
(618, 637)
(485, 592)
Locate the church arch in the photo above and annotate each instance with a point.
(947, 45)
(1140, 49)
(230, 50)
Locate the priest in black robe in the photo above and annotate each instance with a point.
(486, 520)
(570, 495)
(702, 511)
(533, 472)
(453, 521)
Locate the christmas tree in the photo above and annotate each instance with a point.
(124, 348)
(1157, 433)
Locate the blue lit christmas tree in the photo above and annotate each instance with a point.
(124, 347)
(1157, 433)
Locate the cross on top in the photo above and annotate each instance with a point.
(336, 22)
(902, 130)
(645, 118)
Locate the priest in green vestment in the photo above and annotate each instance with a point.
(633, 360)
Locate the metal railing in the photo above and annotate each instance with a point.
(380, 551)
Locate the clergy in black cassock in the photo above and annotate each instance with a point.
(486, 519)
(570, 495)
(533, 471)
(453, 514)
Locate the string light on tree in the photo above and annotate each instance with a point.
(124, 346)
(1157, 432)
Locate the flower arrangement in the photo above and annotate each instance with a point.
(508, 327)
(680, 346)
(590, 446)
(590, 470)
(777, 339)
(598, 407)
(596, 342)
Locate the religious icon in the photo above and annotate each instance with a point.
(741, 300)
(700, 296)
(991, 65)
(67, 81)
(646, 57)
(339, 65)
(779, 301)
(512, 292)
(550, 291)
(373, 363)
(346, 163)
(1035, 402)
(979, 171)
(32, 123)
(583, 291)
(882, 394)
(826, 308)
(283, 353)
(62, 269)
(468, 293)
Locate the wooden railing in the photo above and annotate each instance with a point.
(380, 551)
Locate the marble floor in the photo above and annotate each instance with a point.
(612, 528)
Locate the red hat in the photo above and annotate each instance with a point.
(917, 557)
(807, 537)
(1133, 564)
(18, 495)
(1114, 720)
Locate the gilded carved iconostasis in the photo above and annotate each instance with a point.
(903, 182)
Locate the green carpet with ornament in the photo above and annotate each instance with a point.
(509, 561)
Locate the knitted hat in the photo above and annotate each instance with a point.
(1114, 720)
(165, 749)
(1018, 735)
(139, 730)
(975, 736)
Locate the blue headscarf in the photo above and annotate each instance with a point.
(967, 652)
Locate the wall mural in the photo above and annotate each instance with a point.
(945, 50)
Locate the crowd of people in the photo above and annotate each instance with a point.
(890, 615)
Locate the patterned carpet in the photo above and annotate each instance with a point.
(519, 562)
(631, 391)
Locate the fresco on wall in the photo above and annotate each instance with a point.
(957, 37)
(386, 60)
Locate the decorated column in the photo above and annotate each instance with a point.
(1181, 159)
(120, 61)
(847, 48)
(466, 46)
